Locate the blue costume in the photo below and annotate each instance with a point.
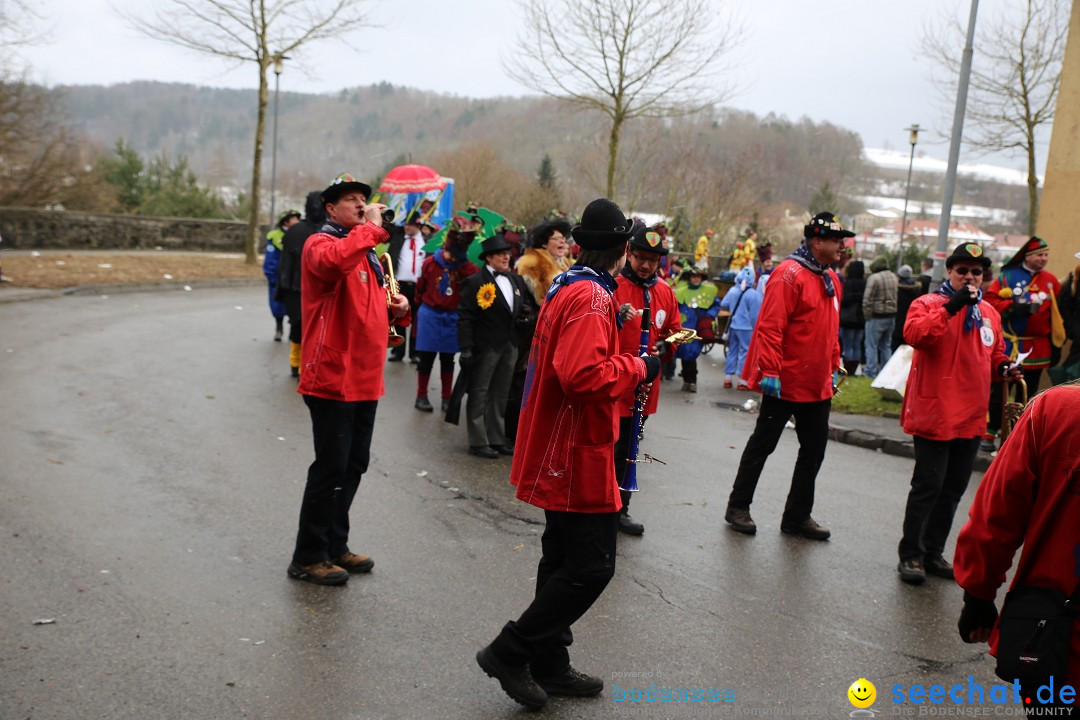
(743, 301)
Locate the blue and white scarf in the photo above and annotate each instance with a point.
(973, 317)
(804, 257)
(339, 231)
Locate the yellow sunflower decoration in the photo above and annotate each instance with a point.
(486, 295)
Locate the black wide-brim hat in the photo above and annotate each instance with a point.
(825, 225)
(342, 184)
(647, 239)
(546, 229)
(494, 244)
(967, 252)
(603, 226)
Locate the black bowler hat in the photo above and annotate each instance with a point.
(603, 226)
(967, 252)
(825, 225)
(345, 183)
(647, 239)
(494, 244)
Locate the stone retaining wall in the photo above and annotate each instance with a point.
(31, 228)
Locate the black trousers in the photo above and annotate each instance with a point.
(689, 371)
(291, 299)
(577, 563)
(342, 433)
(942, 471)
(812, 429)
(622, 450)
(1031, 377)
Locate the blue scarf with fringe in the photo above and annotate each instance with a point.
(804, 257)
(339, 231)
(973, 317)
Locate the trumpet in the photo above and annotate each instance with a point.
(1011, 411)
(392, 289)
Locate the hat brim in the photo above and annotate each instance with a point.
(333, 193)
(599, 239)
(832, 235)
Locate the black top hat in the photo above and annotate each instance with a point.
(969, 252)
(647, 239)
(539, 235)
(494, 244)
(342, 184)
(603, 226)
(825, 225)
(413, 218)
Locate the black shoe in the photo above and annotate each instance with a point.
(414, 360)
(295, 371)
(808, 528)
(483, 451)
(277, 335)
(423, 404)
(396, 357)
(911, 572)
(445, 404)
(516, 680)
(572, 683)
(939, 567)
(629, 525)
(987, 445)
(740, 520)
(505, 449)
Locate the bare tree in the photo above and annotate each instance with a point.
(1015, 79)
(258, 31)
(624, 58)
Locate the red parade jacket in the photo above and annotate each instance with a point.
(427, 285)
(797, 337)
(564, 457)
(345, 320)
(948, 388)
(664, 311)
(1029, 496)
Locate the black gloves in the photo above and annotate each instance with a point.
(960, 298)
(978, 614)
(1020, 309)
(652, 367)
(465, 359)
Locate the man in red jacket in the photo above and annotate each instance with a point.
(564, 461)
(1030, 496)
(958, 349)
(345, 331)
(793, 358)
(639, 286)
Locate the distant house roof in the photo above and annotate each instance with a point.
(927, 232)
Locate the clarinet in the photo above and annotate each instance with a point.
(641, 396)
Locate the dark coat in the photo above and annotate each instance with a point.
(292, 247)
(851, 312)
(495, 326)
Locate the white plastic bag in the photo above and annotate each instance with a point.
(892, 380)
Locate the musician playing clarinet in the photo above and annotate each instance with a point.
(650, 301)
(564, 461)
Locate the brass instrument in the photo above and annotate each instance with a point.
(1011, 410)
(392, 289)
(681, 337)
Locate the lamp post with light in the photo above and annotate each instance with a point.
(913, 138)
(278, 62)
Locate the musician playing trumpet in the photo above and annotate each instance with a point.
(347, 313)
(639, 280)
(958, 346)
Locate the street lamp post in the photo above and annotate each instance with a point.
(912, 138)
(278, 58)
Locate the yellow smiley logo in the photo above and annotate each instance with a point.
(974, 250)
(862, 693)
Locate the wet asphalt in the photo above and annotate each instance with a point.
(152, 457)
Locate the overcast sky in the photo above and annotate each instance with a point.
(852, 62)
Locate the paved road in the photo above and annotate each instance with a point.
(153, 453)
